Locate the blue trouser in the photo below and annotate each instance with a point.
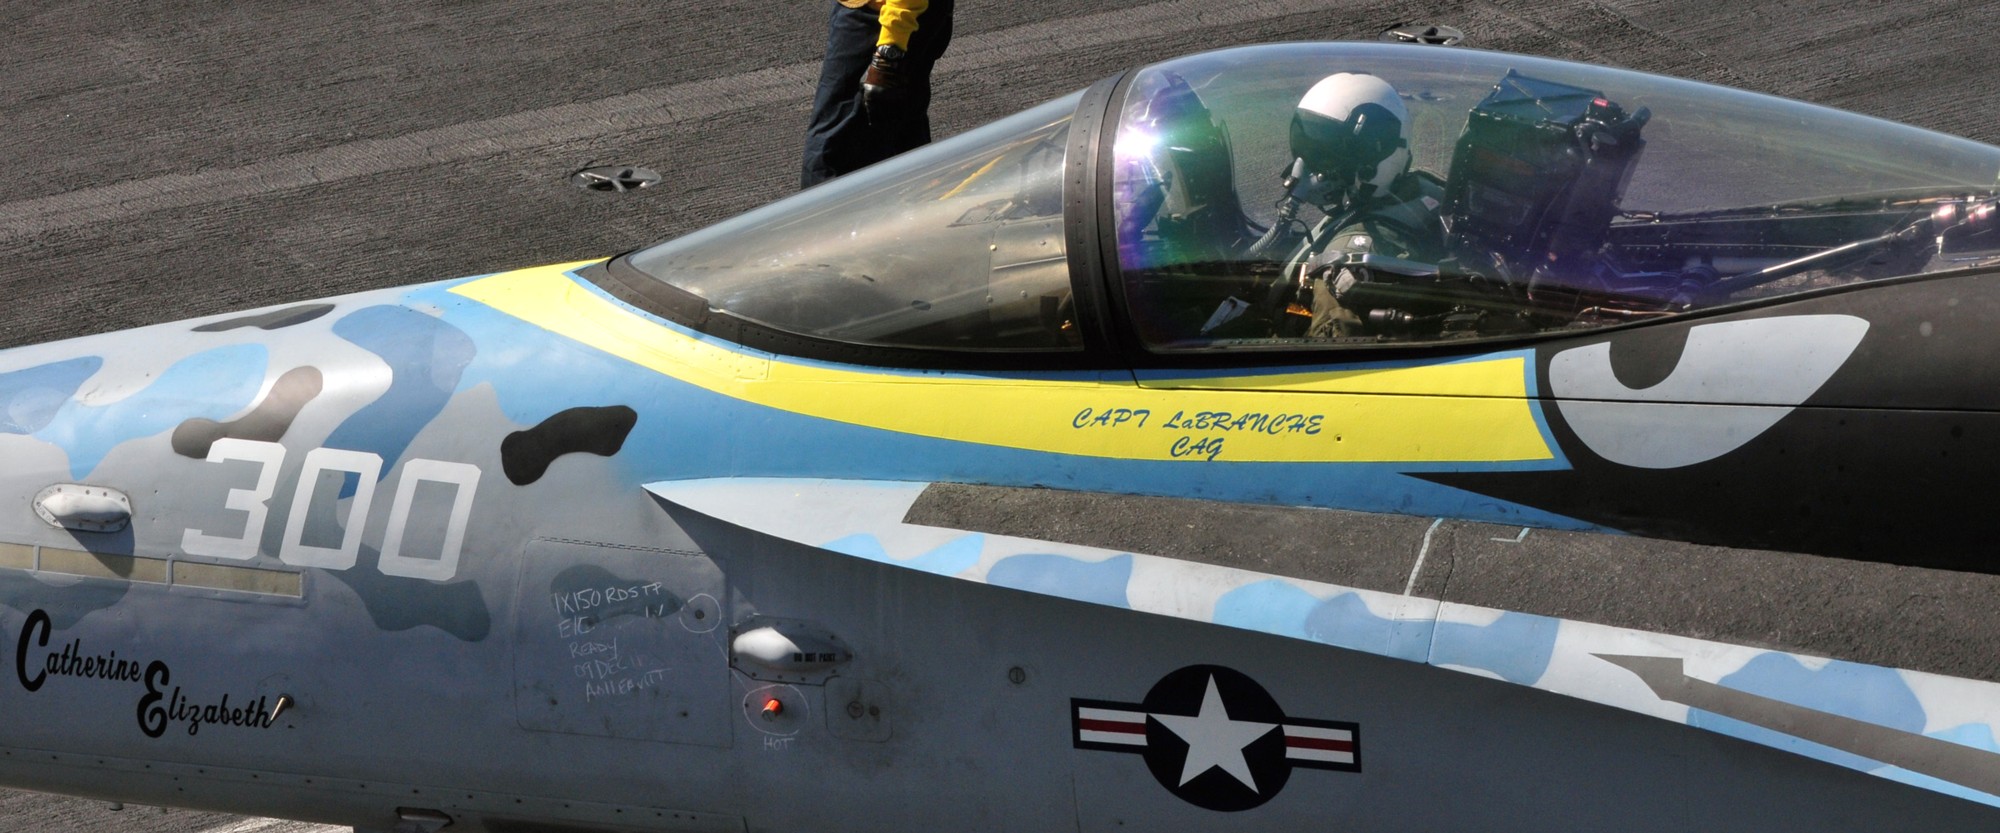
(839, 139)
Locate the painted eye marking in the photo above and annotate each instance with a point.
(1734, 381)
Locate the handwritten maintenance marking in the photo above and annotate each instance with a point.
(601, 669)
(604, 667)
(579, 601)
(624, 686)
(590, 649)
(582, 611)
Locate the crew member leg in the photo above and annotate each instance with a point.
(837, 137)
(927, 45)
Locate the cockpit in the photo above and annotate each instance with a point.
(1273, 200)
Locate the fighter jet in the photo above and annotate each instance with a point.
(1315, 436)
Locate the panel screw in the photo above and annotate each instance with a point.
(1017, 675)
(854, 709)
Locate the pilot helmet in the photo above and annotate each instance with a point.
(1352, 130)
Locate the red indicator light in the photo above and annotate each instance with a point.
(1601, 102)
(772, 708)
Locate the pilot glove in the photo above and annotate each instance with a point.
(885, 94)
(1343, 280)
(1319, 286)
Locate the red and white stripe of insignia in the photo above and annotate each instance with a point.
(1110, 726)
(1128, 728)
(1312, 743)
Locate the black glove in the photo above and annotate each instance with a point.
(885, 94)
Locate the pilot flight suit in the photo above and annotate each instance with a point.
(841, 136)
(1403, 223)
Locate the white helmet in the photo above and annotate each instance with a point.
(1353, 130)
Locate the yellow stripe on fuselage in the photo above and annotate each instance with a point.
(1475, 411)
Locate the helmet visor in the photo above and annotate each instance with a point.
(1353, 146)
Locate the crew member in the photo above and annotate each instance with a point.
(875, 84)
(1350, 136)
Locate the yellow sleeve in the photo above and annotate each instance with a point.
(899, 19)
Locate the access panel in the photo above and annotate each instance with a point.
(621, 642)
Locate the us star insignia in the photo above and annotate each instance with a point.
(1215, 738)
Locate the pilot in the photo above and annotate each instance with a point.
(1350, 137)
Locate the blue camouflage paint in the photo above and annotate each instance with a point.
(425, 357)
(1516, 647)
(1098, 582)
(1273, 606)
(30, 398)
(1862, 692)
(213, 384)
(533, 373)
(457, 607)
(1976, 735)
(953, 557)
(1277, 606)
(1346, 621)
